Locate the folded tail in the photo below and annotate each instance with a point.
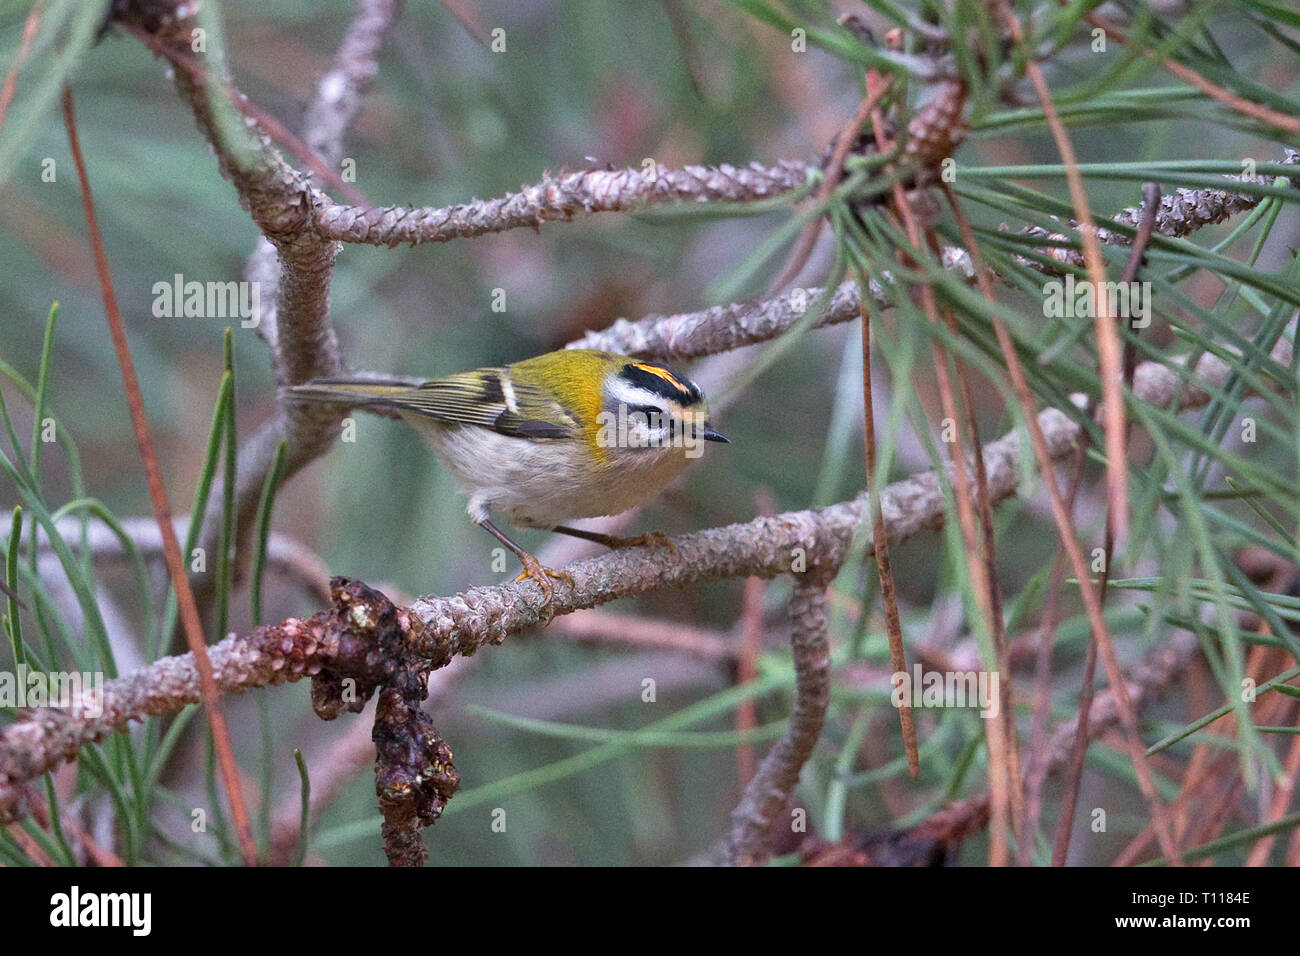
(353, 392)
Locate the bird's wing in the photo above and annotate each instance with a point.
(486, 397)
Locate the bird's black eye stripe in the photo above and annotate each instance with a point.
(661, 380)
(649, 411)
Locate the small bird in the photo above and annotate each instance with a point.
(577, 433)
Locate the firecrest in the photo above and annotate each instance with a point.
(576, 433)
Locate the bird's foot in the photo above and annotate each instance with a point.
(653, 540)
(544, 576)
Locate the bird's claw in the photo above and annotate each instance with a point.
(653, 540)
(543, 576)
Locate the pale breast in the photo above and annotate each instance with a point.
(543, 483)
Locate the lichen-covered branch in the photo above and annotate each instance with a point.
(43, 738)
(562, 198)
(768, 793)
(1181, 213)
(721, 328)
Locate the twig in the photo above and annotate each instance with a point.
(611, 629)
(1036, 771)
(162, 510)
(41, 814)
(1210, 780)
(562, 198)
(1144, 685)
(274, 129)
(933, 136)
(884, 570)
(1136, 258)
(768, 793)
(28, 844)
(879, 540)
(1180, 214)
(471, 18)
(1278, 805)
(747, 654)
(285, 554)
(339, 92)
(751, 645)
(722, 328)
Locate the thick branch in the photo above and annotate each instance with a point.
(281, 200)
(43, 738)
(768, 793)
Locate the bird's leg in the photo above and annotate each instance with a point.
(532, 567)
(653, 540)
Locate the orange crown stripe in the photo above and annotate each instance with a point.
(666, 375)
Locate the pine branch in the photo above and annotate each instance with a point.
(562, 198)
(768, 794)
(1181, 213)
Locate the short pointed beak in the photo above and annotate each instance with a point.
(711, 435)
